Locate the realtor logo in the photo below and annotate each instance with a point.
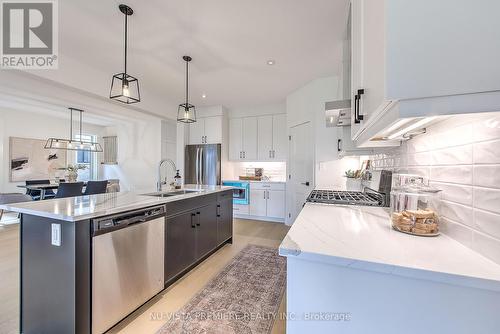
(29, 34)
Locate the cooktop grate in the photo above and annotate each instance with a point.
(344, 197)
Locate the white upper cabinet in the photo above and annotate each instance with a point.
(265, 140)
(280, 142)
(197, 132)
(206, 130)
(243, 139)
(236, 139)
(421, 58)
(261, 138)
(250, 138)
(213, 130)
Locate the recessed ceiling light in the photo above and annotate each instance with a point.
(271, 62)
(203, 96)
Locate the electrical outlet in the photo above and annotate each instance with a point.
(56, 235)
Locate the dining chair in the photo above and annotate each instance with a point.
(36, 194)
(9, 198)
(67, 189)
(96, 187)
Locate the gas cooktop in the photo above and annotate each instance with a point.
(368, 197)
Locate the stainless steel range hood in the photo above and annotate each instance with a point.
(338, 113)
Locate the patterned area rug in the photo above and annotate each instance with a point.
(243, 298)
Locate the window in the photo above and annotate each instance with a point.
(89, 159)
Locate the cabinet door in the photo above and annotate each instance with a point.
(196, 132)
(265, 137)
(213, 130)
(280, 142)
(368, 60)
(224, 220)
(276, 203)
(206, 229)
(180, 245)
(258, 203)
(250, 138)
(235, 139)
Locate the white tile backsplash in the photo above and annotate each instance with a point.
(487, 222)
(461, 156)
(487, 152)
(487, 176)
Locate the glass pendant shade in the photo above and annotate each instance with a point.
(186, 113)
(125, 88)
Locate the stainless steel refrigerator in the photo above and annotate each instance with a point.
(203, 164)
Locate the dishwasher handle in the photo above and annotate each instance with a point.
(119, 221)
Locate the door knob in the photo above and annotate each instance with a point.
(306, 183)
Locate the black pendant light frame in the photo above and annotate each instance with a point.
(71, 144)
(186, 112)
(125, 81)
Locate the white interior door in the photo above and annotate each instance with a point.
(301, 171)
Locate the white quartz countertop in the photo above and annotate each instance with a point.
(362, 238)
(86, 207)
(255, 181)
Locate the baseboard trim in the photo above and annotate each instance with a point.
(264, 219)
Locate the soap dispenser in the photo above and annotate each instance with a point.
(177, 180)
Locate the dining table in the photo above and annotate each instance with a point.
(43, 188)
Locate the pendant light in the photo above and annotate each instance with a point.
(72, 144)
(124, 87)
(186, 113)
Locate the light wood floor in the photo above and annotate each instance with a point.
(245, 232)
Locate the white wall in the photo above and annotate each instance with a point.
(461, 156)
(267, 109)
(14, 123)
(139, 152)
(307, 104)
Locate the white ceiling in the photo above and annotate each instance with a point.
(230, 42)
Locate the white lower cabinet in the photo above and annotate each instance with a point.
(267, 200)
(276, 203)
(258, 202)
(241, 209)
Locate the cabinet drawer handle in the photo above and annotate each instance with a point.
(198, 221)
(218, 211)
(339, 145)
(192, 222)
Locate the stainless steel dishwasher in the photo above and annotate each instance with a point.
(127, 264)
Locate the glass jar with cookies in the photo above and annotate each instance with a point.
(414, 209)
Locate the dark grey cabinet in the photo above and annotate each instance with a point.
(180, 243)
(224, 220)
(195, 228)
(206, 229)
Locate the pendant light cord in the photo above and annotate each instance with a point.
(187, 83)
(71, 124)
(126, 33)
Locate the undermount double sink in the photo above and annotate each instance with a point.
(174, 193)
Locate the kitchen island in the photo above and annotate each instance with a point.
(89, 261)
(351, 273)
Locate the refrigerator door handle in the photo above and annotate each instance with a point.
(197, 164)
(201, 166)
